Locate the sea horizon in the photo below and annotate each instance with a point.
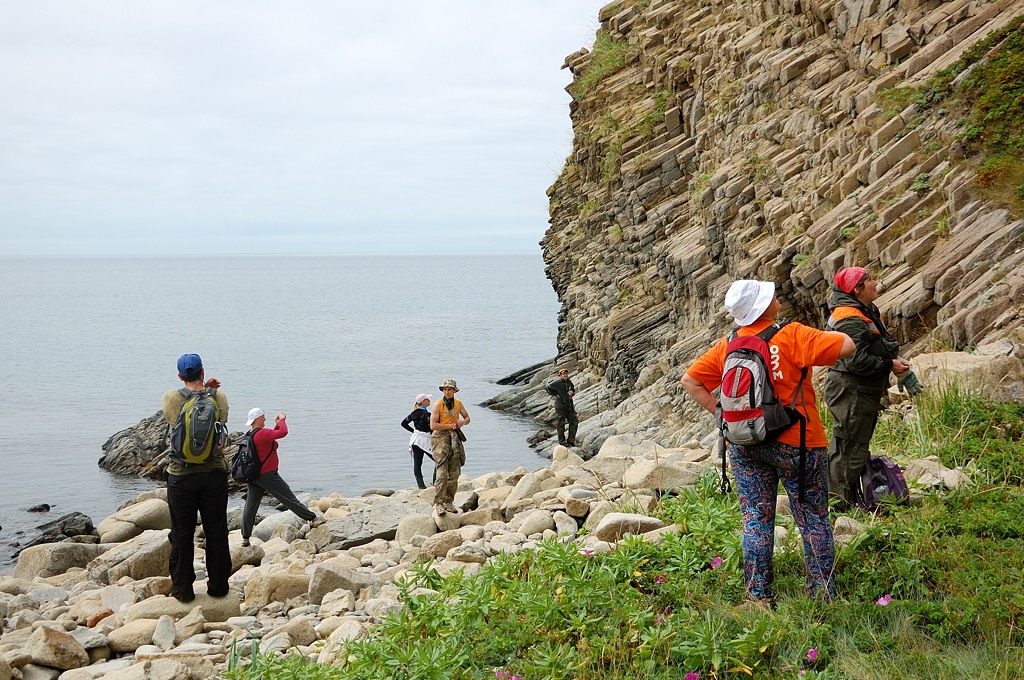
(342, 349)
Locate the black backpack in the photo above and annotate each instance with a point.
(245, 466)
(198, 431)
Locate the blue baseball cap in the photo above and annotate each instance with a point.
(189, 366)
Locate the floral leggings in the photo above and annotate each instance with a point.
(758, 470)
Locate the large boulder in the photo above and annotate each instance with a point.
(131, 521)
(270, 525)
(997, 376)
(140, 557)
(277, 586)
(615, 525)
(52, 646)
(52, 559)
(333, 575)
(378, 520)
(73, 525)
(660, 475)
(214, 609)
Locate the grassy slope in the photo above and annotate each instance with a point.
(951, 563)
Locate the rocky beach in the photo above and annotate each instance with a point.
(98, 605)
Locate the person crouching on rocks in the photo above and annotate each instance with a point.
(446, 420)
(264, 440)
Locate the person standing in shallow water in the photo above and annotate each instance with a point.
(446, 420)
(565, 411)
(418, 422)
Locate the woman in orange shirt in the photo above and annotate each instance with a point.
(758, 469)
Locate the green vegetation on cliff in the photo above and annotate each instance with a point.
(985, 90)
(608, 56)
(927, 591)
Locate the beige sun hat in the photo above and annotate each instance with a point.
(448, 382)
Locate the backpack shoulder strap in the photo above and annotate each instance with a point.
(768, 333)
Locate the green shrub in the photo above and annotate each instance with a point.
(608, 56)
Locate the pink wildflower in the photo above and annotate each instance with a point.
(717, 562)
(660, 578)
(692, 676)
(588, 553)
(802, 673)
(884, 600)
(514, 677)
(812, 653)
(500, 675)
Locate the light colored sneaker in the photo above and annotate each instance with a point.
(450, 507)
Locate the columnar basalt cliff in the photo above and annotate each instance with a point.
(722, 140)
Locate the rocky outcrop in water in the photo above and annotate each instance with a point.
(725, 140)
(143, 450)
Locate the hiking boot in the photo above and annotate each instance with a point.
(245, 542)
(450, 507)
(440, 509)
(183, 596)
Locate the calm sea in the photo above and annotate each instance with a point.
(341, 344)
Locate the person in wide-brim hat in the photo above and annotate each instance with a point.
(448, 382)
(446, 442)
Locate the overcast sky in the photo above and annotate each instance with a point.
(258, 127)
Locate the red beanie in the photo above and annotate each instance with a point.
(847, 279)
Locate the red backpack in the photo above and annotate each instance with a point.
(749, 412)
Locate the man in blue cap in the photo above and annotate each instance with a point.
(197, 488)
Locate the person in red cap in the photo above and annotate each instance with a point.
(855, 385)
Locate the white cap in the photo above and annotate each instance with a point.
(254, 413)
(421, 398)
(747, 300)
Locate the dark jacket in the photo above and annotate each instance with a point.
(560, 390)
(420, 418)
(875, 351)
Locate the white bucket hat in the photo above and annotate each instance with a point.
(747, 300)
(254, 413)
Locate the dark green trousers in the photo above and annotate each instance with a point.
(854, 403)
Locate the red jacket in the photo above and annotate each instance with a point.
(265, 441)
